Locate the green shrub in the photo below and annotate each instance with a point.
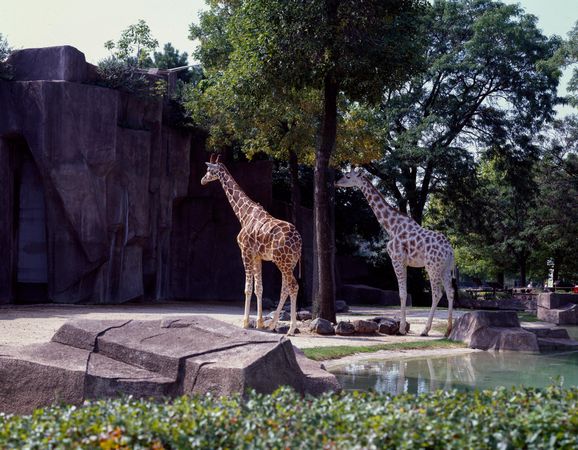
(503, 418)
(117, 74)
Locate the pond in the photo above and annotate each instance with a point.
(464, 372)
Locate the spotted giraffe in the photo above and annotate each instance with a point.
(262, 238)
(410, 245)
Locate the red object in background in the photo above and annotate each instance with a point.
(575, 289)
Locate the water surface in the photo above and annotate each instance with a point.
(480, 370)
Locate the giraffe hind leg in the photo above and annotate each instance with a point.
(448, 287)
(293, 291)
(436, 293)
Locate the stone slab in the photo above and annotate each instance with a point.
(567, 315)
(155, 358)
(489, 330)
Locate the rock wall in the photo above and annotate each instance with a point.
(126, 217)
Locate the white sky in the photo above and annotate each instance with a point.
(86, 25)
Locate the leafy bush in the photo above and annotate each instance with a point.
(503, 418)
(117, 74)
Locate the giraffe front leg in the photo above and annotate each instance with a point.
(436, 293)
(259, 293)
(248, 288)
(401, 275)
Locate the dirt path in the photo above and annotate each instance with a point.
(37, 323)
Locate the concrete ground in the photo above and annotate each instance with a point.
(37, 323)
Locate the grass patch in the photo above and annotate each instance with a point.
(527, 317)
(340, 351)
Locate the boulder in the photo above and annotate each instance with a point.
(283, 328)
(283, 315)
(344, 328)
(321, 326)
(365, 327)
(304, 315)
(389, 325)
(158, 358)
(489, 330)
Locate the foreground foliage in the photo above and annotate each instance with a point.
(504, 418)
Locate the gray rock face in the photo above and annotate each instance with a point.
(126, 215)
(365, 327)
(498, 331)
(192, 355)
(361, 294)
(321, 326)
(344, 328)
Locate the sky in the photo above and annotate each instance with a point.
(87, 25)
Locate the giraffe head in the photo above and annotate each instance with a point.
(212, 170)
(353, 178)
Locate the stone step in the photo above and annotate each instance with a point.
(548, 332)
(552, 344)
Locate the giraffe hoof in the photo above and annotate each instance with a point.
(447, 334)
(246, 324)
(424, 333)
(260, 324)
(293, 331)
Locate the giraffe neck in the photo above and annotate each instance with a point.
(242, 205)
(384, 213)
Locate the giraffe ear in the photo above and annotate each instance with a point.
(211, 165)
(218, 160)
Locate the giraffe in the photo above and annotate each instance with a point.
(262, 238)
(410, 245)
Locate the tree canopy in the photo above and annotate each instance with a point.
(272, 49)
(482, 90)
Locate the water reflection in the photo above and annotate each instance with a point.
(482, 370)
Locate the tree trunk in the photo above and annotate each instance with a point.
(500, 278)
(324, 289)
(296, 219)
(522, 272)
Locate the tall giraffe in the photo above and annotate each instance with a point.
(262, 238)
(410, 245)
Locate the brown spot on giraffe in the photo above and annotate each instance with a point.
(262, 238)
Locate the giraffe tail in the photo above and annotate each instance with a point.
(299, 262)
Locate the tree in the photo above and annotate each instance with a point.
(482, 90)
(341, 49)
(5, 51)
(555, 218)
(135, 45)
(170, 58)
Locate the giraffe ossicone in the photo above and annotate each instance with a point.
(410, 245)
(262, 238)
